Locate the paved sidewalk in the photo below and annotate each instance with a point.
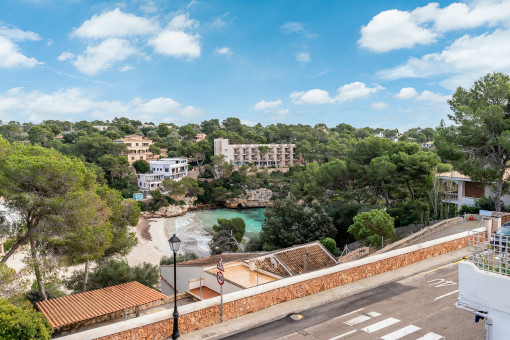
(249, 321)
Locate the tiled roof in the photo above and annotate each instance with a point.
(213, 260)
(77, 308)
(273, 266)
(306, 258)
(457, 174)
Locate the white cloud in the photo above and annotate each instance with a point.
(345, 93)
(379, 105)
(65, 56)
(224, 51)
(149, 7)
(248, 122)
(68, 103)
(263, 105)
(218, 22)
(315, 96)
(432, 97)
(15, 34)
(11, 57)
(296, 27)
(182, 21)
(100, 57)
(177, 44)
(303, 57)
(394, 29)
(406, 93)
(467, 58)
(126, 68)
(355, 90)
(115, 24)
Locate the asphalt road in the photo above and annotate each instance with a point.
(418, 307)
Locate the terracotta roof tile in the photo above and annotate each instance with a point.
(306, 258)
(76, 308)
(457, 174)
(213, 260)
(273, 266)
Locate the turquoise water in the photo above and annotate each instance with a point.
(253, 218)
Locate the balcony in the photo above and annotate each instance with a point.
(451, 196)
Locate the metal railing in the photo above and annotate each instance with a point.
(490, 254)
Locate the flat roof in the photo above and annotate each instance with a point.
(241, 275)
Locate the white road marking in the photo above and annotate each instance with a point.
(357, 320)
(380, 325)
(431, 336)
(402, 332)
(374, 314)
(342, 335)
(354, 311)
(442, 296)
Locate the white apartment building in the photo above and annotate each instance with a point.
(165, 168)
(279, 155)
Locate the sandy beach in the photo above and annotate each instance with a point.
(152, 248)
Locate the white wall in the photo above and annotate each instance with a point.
(485, 291)
(184, 274)
(212, 283)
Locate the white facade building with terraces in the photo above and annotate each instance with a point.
(278, 155)
(165, 168)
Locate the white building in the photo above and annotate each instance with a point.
(459, 189)
(101, 127)
(484, 283)
(278, 155)
(165, 168)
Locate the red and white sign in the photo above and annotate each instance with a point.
(220, 278)
(220, 265)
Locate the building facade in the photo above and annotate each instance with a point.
(460, 190)
(137, 148)
(278, 155)
(165, 168)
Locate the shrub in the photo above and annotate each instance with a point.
(142, 206)
(19, 323)
(167, 260)
(141, 166)
(330, 245)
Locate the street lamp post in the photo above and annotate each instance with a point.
(175, 242)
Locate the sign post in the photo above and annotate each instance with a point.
(221, 281)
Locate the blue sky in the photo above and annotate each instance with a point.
(372, 63)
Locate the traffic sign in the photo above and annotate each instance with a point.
(220, 278)
(220, 265)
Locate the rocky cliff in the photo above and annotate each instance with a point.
(252, 199)
(171, 210)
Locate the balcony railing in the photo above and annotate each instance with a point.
(451, 196)
(491, 255)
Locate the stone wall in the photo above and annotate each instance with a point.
(264, 296)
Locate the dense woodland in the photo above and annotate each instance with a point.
(351, 184)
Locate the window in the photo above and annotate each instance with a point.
(132, 158)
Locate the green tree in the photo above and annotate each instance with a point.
(329, 244)
(263, 149)
(185, 187)
(141, 166)
(289, 223)
(228, 234)
(209, 126)
(479, 143)
(371, 226)
(40, 135)
(22, 324)
(38, 184)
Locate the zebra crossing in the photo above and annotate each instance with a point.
(383, 326)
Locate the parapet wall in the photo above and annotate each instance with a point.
(206, 313)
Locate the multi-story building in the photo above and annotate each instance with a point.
(278, 155)
(165, 168)
(137, 148)
(199, 137)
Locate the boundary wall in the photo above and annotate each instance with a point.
(206, 313)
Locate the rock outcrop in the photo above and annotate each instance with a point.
(252, 199)
(171, 210)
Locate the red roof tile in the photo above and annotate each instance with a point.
(68, 310)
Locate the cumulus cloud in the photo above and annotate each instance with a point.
(177, 44)
(11, 57)
(65, 56)
(115, 24)
(263, 105)
(314, 97)
(379, 105)
(395, 29)
(66, 103)
(101, 57)
(224, 51)
(406, 93)
(303, 57)
(15, 34)
(346, 92)
(432, 97)
(469, 57)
